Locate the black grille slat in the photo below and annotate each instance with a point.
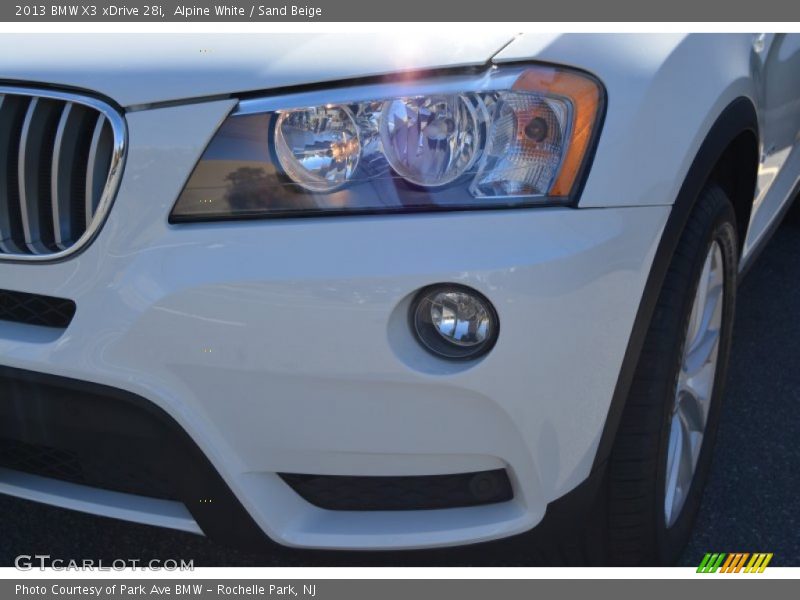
(97, 166)
(59, 157)
(12, 118)
(67, 181)
(60, 177)
(35, 156)
(78, 180)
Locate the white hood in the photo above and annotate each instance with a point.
(143, 69)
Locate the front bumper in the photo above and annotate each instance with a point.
(284, 347)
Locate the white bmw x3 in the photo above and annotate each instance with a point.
(379, 292)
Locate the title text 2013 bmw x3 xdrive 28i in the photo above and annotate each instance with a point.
(380, 292)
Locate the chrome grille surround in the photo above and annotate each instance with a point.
(61, 159)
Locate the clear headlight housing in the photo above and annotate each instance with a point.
(511, 137)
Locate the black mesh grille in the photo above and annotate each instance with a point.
(33, 309)
(40, 460)
(342, 492)
(104, 471)
(107, 438)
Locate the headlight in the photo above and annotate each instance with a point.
(509, 138)
(319, 147)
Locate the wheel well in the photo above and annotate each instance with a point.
(729, 156)
(735, 172)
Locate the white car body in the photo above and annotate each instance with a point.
(283, 346)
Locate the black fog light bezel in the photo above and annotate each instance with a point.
(432, 341)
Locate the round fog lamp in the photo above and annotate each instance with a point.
(454, 322)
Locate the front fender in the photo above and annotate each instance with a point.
(665, 92)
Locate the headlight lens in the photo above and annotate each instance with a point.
(318, 148)
(430, 140)
(525, 147)
(521, 137)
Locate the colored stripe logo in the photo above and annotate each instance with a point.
(735, 562)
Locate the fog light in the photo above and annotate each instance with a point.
(455, 322)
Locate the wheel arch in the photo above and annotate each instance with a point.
(736, 172)
(729, 145)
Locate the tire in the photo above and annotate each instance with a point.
(638, 530)
(793, 217)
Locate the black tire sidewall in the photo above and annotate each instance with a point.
(671, 540)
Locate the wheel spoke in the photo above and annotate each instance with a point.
(691, 414)
(702, 353)
(695, 320)
(699, 387)
(673, 462)
(695, 384)
(687, 460)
